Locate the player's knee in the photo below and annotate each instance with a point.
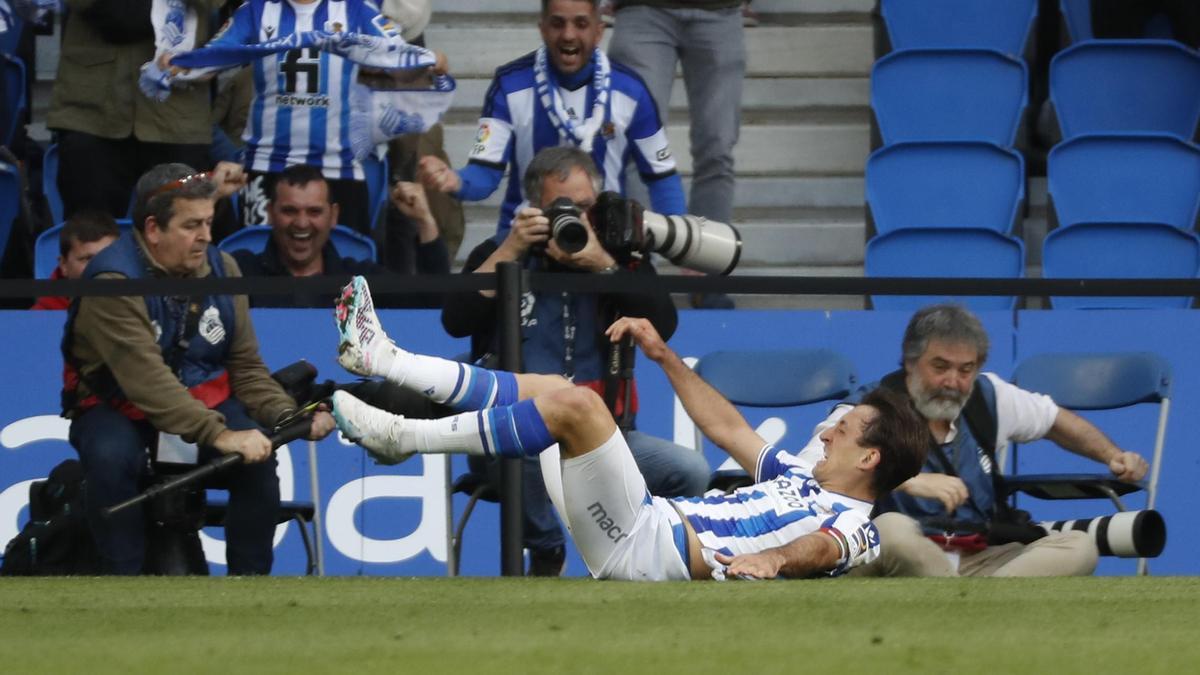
(575, 406)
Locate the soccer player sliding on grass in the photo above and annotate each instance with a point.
(807, 513)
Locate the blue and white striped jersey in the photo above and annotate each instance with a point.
(514, 126)
(301, 111)
(784, 504)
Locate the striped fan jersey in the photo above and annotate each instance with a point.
(301, 110)
(514, 126)
(785, 503)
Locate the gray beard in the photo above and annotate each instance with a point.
(933, 407)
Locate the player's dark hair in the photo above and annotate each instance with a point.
(299, 175)
(901, 435)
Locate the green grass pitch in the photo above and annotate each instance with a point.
(385, 625)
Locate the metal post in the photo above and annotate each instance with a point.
(314, 484)
(508, 293)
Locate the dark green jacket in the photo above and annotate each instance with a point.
(104, 46)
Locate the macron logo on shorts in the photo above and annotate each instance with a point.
(605, 523)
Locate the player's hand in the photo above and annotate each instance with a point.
(951, 491)
(436, 175)
(1128, 466)
(644, 336)
(322, 425)
(229, 177)
(762, 565)
(251, 444)
(529, 227)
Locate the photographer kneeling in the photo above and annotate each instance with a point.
(160, 372)
(563, 333)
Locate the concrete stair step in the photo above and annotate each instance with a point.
(769, 148)
(476, 43)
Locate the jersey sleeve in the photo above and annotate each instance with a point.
(856, 537)
(238, 29)
(648, 140)
(494, 138)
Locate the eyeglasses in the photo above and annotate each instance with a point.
(177, 184)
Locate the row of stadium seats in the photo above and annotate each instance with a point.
(349, 244)
(947, 186)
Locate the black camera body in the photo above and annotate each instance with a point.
(617, 222)
(567, 228)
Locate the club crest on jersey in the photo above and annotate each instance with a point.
(211, 328)
(609, 130)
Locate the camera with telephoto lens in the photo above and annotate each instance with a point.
(566, 226)
(629, 233)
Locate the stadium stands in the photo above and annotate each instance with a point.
(1003, 25)
(944, 184)
(1120, 250)
(949, 94)
(945, 252)
(1116, 178)
(12, 96)
(1117, 86)
(50, 184)
(10, 190)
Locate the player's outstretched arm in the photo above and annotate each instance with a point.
(1083, 438)
(805, 556)
(715, 415)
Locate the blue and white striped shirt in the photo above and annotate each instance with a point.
(514, 126)
(785, 503)
(301, 111)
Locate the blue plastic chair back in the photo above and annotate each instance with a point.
(351, 244)
(778, 378)
(1114, 86)
(1120, 250)
(949, 94)
(375, 171)
(944, 252)
(46, 248)
(1097, 381)
(12, 96)
(1128, 178)
(10, 38)
(348, 243)
(10, 195)
(944, 184)
(50, 183)
(1002, 25)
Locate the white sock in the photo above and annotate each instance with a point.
(432, 376)
(457, 433)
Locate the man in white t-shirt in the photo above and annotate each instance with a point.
(807, 514)
(938, 522)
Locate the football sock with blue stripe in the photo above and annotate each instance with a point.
(461, 386)
(506, 431)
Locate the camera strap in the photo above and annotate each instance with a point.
(568, 322)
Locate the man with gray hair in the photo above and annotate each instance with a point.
(174, 374)
(563, 333)
(949, 520)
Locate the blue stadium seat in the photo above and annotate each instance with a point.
(1077, 16)
(944, 252)
(376, 174)
(1002, 25)
(1120, 250)
(762, 383)
(50, 183)
(12, 96)
(1115, 86)
(1125, 178)
(349, 243)
(949, 94)
(944, 184)
(10, 196)
(11, 37)
(45, 249)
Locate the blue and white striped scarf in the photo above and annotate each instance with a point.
(546, 87)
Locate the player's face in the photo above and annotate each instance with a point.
(940, 381)
(843, 454)
(80, 254)
(302, 218)
(182, 244)
(571, 29)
